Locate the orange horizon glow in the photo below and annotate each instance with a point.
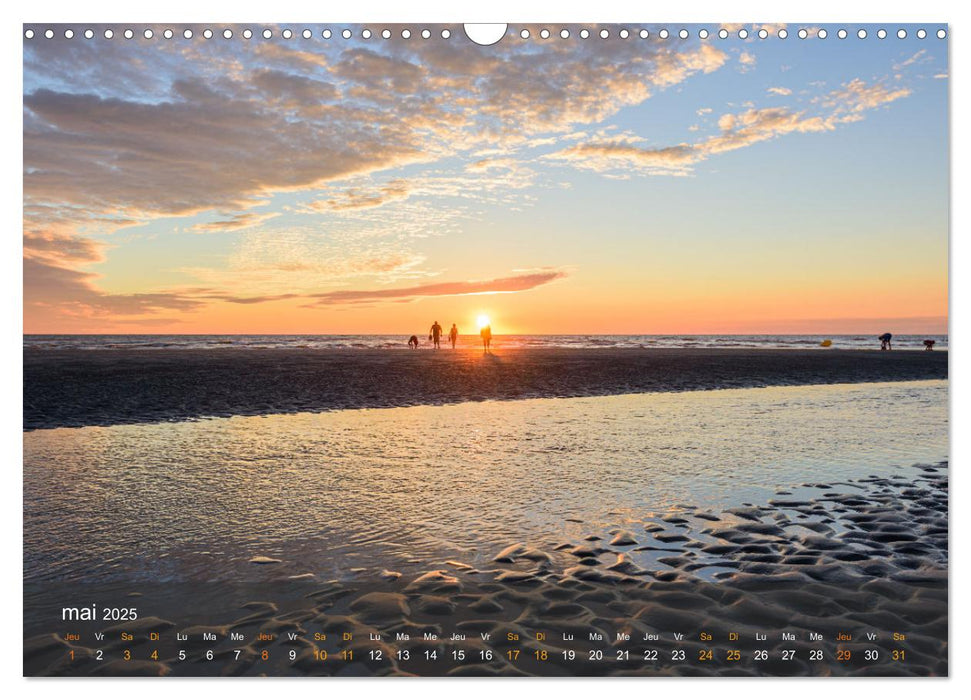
(571, 306)
(513, 321)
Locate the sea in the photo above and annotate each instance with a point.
(400, 342)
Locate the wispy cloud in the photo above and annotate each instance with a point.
(919, 57)
(504, 285)
(236, 222)
(249, 300)
(355, 198)
(746, 61)
(858, 96)
(736, 130)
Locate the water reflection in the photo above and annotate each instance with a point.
(406, 488)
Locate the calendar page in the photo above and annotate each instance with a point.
(485, 350)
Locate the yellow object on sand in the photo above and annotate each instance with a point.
(826, 343)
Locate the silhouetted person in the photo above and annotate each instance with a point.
(435, 334)
(486, 334)
(453, 335)
(413, 342)
(885, 341)
(929, 344)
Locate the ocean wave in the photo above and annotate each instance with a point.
(391, 342)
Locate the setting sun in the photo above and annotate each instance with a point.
(482, 321)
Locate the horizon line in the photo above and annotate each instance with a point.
(535, 335)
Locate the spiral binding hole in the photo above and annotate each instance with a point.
(524, 33)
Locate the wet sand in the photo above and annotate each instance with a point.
(72, 388)
(866, 556)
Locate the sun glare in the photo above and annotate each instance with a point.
(482, 321)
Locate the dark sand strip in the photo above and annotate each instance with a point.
(74, 388)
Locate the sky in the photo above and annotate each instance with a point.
(561, 185)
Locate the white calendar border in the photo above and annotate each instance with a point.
(817, 11)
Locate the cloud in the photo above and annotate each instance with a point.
(136, 131)
(492, 180)
(72, 293)
(919, 57)
(236, 222)
(198, 151)
(782, 91)
(674, 67)
(505, 285)
(192, 297)
(736, 131)
(609, 154)
(250, 300)
(278, 53)
(375, 75)
(278, 117)
(746, 61)
(857, 96)
(290, 91)
(296, 258)
(488, 164)
(755, 125)
(364, 199)
(63, 248)
(753, 29)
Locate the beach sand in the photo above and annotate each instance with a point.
(71, 388)
(860, 556)
(865, 556)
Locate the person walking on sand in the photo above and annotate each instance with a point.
(453, 335)
(885, 341)
(486, 334)
(435, 334)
